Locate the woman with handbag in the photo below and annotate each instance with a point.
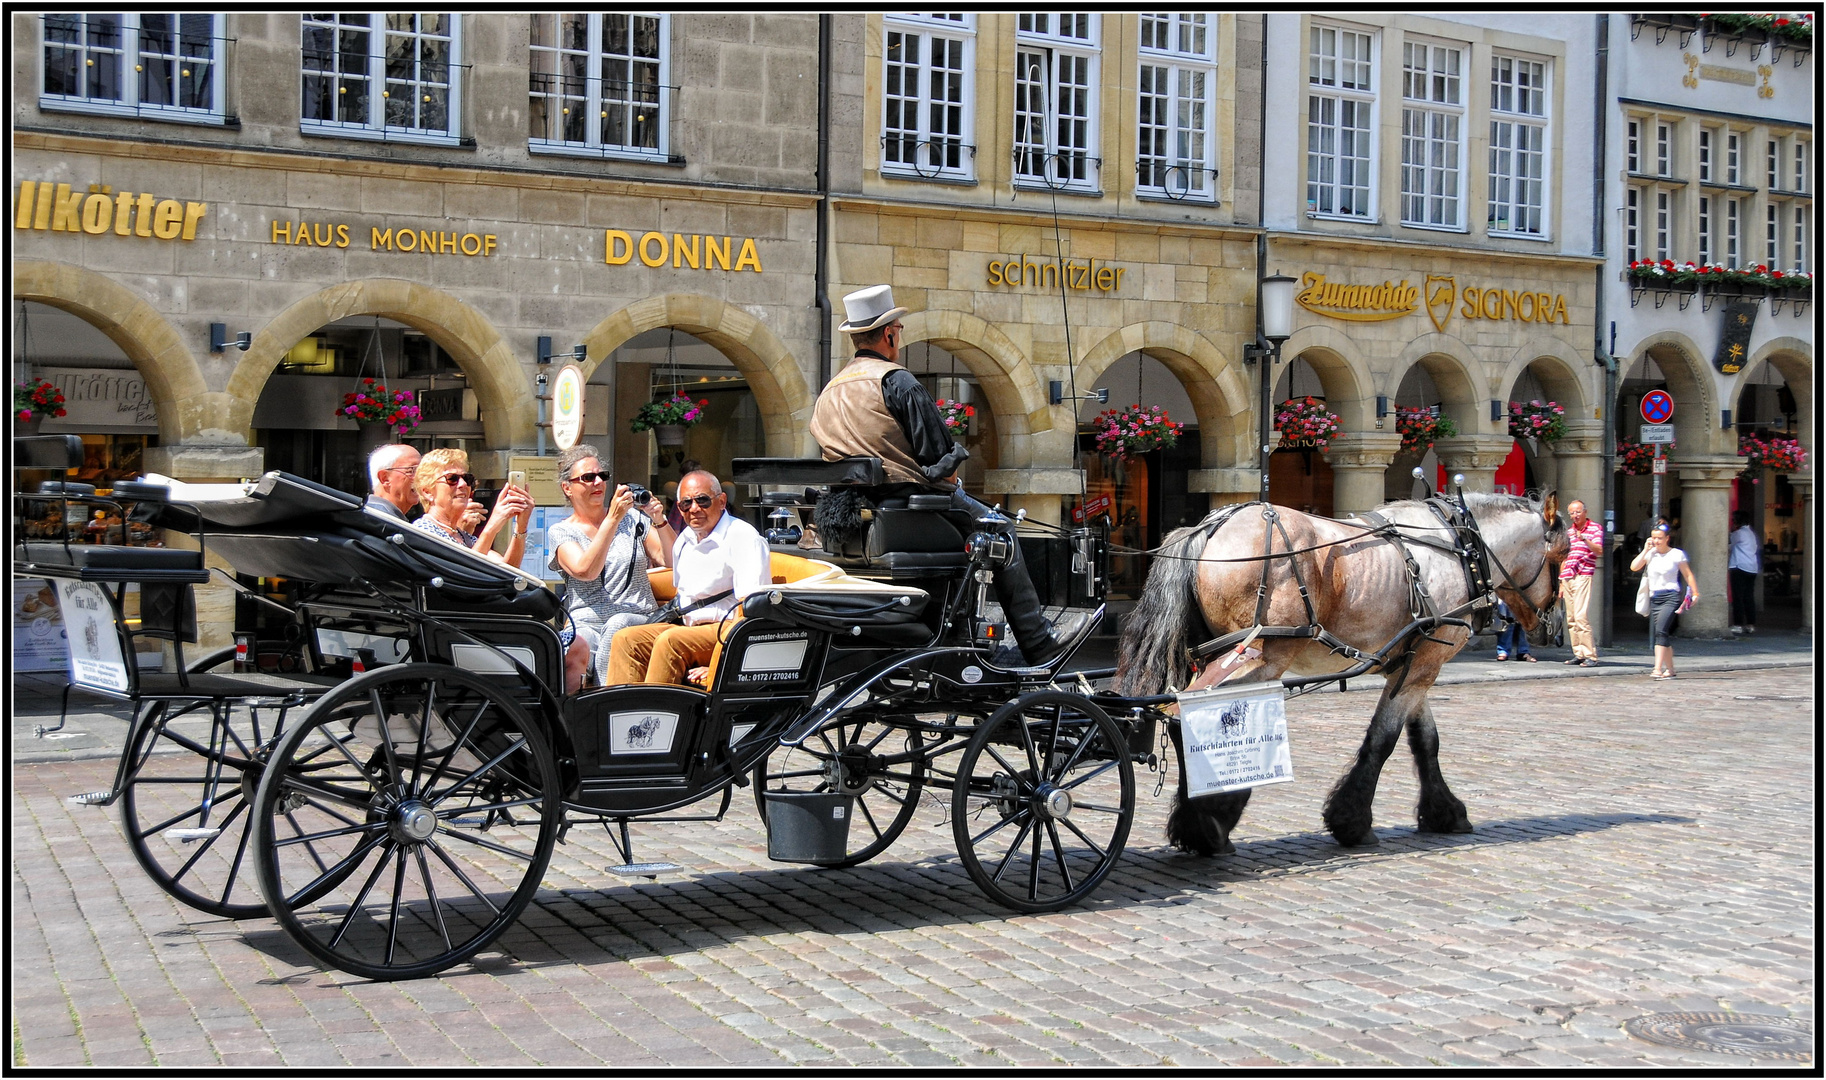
(1663, 569)
(603, 550)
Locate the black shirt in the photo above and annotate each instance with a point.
(909, 404)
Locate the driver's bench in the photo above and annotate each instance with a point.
(902, 539)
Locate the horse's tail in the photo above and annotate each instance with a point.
(1153, 647)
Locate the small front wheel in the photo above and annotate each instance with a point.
(405, 822)
(1043, 801)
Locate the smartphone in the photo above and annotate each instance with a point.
(517, 478)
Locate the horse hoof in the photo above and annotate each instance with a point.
(1368, 839)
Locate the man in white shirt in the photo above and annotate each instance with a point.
(1746, 564)
(717, 560)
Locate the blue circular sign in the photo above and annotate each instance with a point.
(1657, 407)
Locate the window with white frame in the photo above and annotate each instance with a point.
(389, 75)
(1340, 140)
(928, 96)
(1664, 149)
(1432, 142)
(1176, 155)
(1774, 163)
(174, 60)
(1519, 115)
(1733, 156)
(1664, 225)
(1705, 155)
(1632, 224)
(1632, 148)
(1706, 246)
(1800, 238)
(1733, 228)
(1055, 99)
(1800, 165)
(1773, 244)
(597, 84)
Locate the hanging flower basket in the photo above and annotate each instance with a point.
(1637, 459)
(1773, 452)
(1421, 427)
(1305, 423)
(676, 411)
(1138, 429)
(956, 414)
(1541, 420)
(36, 399)
(372, 403)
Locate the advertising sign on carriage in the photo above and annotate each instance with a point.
(1235, 738)
(95, 653)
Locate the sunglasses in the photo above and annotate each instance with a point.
(453, 479)
(702, 502)
(588, 478)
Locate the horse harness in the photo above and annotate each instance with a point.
(1467, 546)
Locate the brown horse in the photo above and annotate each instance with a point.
(1362, 590)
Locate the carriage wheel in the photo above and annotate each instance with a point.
(184, 805)
(404, 822)
(878, 763)
(1044, 796)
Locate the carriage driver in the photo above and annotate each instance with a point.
(876, 408)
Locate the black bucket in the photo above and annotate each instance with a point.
(807, 827)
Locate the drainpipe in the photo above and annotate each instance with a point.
(1604, 349)
(821, 275)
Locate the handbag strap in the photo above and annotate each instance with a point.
(707, 601)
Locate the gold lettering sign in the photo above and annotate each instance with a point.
(48, 207)
(1394, 299)
(1045, 274)
(1356, 303)
(698, 252)
(423, 241)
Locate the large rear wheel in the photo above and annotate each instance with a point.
(1043, 801)
(877, 763)
(405, 821)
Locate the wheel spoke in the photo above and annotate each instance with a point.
(386, 734)
(399, 886)
(208, 842)
(380, 864)
(437, 907)
(485, 767)
(1058, 853)
(444, 857)
(480, 841)
(1013, 848)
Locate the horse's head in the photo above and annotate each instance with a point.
(1536, 572)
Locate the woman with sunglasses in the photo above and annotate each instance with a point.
(604, 549)
(1666, 568)
(447, 487)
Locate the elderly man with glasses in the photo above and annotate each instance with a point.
(716, 561)
(390, 469)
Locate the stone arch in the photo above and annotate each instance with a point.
(1691, 383)
(1007, 379)
(503, 388)
(1349, 388)
(774, 377)
(1220, 395)
(1793, 357)
(1458, 375)
(1558, 366)
(187, 410)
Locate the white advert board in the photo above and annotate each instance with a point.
(567, 406)
(1235, 738)
(94, 640)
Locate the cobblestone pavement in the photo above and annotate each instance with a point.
(1640, 848)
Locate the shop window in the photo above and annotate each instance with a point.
(597, 85)
(1340, 141)
(1176, 155)
(1055, 101)
(391, 76)
(161, 66)
(928, 96)
(1518, 146)
(1432, 142)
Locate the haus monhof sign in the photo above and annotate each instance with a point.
(1440, 295)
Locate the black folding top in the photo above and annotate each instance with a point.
(851, 470)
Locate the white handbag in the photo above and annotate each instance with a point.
(1642, 596)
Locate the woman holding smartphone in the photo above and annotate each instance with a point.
(604, 549)
(1665, 566)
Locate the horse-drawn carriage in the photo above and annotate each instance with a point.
(394, 802)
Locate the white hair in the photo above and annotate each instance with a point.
(383, 457)
(715, 485)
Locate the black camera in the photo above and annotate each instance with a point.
(641, 494)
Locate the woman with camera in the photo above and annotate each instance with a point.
(604, 549)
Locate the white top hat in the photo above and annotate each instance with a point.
(869, 308)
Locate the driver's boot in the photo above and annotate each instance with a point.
(1021, 604)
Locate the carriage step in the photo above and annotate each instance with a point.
(92, 798)
(191, 836)
(645, 869)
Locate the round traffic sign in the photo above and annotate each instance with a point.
(567, 406)
(1657, 407)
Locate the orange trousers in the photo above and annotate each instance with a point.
(659, 652)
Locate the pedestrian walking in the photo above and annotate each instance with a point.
(1511, 639)
(1746, 564)
(1665, 567)
(1585, 539)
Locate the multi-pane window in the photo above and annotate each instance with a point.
(1800, 239)
(173, 59)
(1664, 225)
(1632, 224)
(1432, 145)
(1733, 215)
(1340, 143)
(389, 75)
(1732, 158)
(1518, 146)
(1705, 229)
(1773, 245)
(928, 87)
(1176, 155)
(1800, 165)
(1055, 99)
(1632, 148)
(1774, 171)
(1705, 155)
(1664, 149)
(598, 83)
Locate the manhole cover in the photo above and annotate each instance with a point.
(1745, 1034)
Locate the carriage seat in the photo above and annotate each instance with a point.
(111, 562)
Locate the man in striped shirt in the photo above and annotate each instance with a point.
(1586, 538)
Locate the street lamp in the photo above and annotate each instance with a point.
(1274, 311)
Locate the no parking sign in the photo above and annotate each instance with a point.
(1657, 407)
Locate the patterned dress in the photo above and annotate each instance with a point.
(616, 598)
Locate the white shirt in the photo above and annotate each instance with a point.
(1663, 571)
(733, 556)
(1746, 552)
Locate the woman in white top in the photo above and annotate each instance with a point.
(1665, 566)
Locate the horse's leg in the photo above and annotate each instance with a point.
(1439, 810)
(1347, 809)
(1202, 826)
